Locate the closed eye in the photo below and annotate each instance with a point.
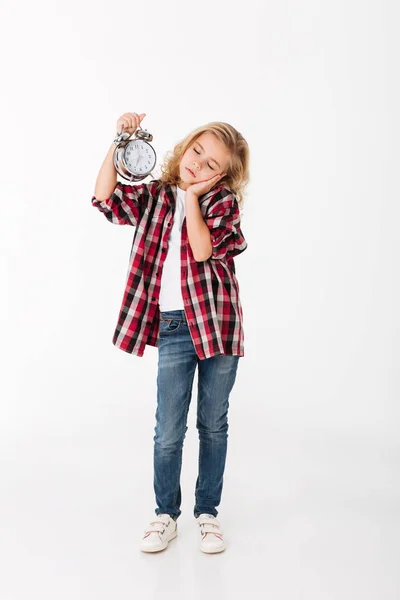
(207, 163)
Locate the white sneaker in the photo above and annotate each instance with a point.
(211, 534)
(162, 529)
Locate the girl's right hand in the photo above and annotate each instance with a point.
(130, 121)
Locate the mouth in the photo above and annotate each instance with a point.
(191, 172)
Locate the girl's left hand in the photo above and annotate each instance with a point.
(198, 189)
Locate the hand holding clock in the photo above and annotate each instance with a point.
(130, 121)
(134, 157)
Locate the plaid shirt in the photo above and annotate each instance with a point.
(210, 289)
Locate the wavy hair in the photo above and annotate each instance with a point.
(237, 177)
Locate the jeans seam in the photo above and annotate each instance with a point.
(186, 416)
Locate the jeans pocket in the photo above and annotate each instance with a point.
(169, 325)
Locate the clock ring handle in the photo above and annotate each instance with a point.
(140, 133)
(121, 136)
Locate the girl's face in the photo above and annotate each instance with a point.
(203, 159)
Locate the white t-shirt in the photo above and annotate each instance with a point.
(171, 292)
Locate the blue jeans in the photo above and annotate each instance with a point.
(177, 361)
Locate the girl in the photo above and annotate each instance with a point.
(182, 296)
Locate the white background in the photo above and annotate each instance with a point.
(311, 498)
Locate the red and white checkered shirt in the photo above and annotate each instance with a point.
(210, 289)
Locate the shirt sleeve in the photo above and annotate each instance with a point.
(126, 204)
(223, 221)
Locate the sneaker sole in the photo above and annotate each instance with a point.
(162, 546)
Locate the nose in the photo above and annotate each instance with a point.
(195, 166)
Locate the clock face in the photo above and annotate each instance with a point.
(139, 157)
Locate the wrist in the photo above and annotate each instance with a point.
(191, 194)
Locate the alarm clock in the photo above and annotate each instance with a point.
(134, 158)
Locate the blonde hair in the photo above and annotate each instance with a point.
(237, 176)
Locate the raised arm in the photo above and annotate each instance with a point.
(121, 203)
(107, 177)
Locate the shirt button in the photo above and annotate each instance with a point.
(157, 274)
(162, 249)
(153, 298)
(148, 322)
(169, 224)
